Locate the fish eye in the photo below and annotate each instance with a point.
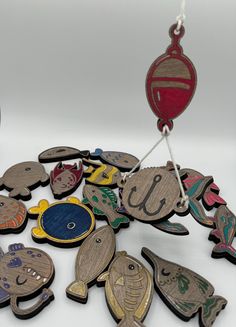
(165, 273)
(27, 169)
(131, 267)
(1, 204)
(98, 240)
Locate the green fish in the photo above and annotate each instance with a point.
(185, 292)
(104, 203)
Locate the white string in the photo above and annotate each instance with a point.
(185, 198)
(140, 161)
(181, 17)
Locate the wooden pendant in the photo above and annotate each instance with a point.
(104, 203)
(196, 187)
(152, 194)
(13, 215)
(171, 82)
(223, 234)
(171, 228)
(101, 174)
(94, 256)
(129, 290)
(184, 292)
(65, 179)
(61, 153)
(24, 274)
(123, 161)
(63, 224)
(20, 179)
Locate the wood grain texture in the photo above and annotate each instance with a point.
(171, 228)
(104, 203)
(61, 153)
(101, 174)
(129, 290)
(13, 215)
(152, 194)
(122, 160)
(63, 223)
(65, 179)
(24, 274)
(21, 178)
(185, 292)
(94, 256)
(223, 234)
(171, 82)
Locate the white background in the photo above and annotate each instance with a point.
(72, 73)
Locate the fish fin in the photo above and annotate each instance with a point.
(103, 277)
(89, 170)
(23, 191)
(130, 322)
(77, 290)
(15, 247)
(222, 249)
(183, 309)
(98, 212)
(211, 308)
(45, 178)
(198, 213)
(91, 164)
(111, 195)
(204, 286)
(171, 228)
(42, 206)
(4, 296)
(119, 221)
(96, 154)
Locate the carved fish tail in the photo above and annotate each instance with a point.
(77, 291)
(120, 220)
(128, 322)
(210, 310)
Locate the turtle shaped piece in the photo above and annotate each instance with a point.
(21, 178)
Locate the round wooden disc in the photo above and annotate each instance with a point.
(151, 194)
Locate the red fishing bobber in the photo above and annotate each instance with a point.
(171, 82)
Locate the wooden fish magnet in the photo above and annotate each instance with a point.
(13, 215)
(94, 256)
(20, 179)
(123, 161)
(61, 153)
(223, 234)
(104, 203)
(200, 187)
(63, 223)
(65, 179)
(151, 195)
(171, 82)
(101, 174)
(25, 273)
(129, 290)
(184, 292)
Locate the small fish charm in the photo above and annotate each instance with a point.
(21, 178)
(61, 153)
(25, 273)
(129, 290)
(123, 161)
(223, 234)
(185, 292)
(13, 215)
(93, 258)
(65, 179)
(104, 203)
(101, 174)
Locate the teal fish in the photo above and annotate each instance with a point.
(104, 203)
(185, 292)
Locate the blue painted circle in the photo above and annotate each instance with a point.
(66, 221)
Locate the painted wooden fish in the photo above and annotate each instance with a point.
(24, 274)
(104, 203)
(101, 174)
(65, 179)
(23, 177)
(61, 153)
(13, 215)
(129, 290)
(223, 234)
(185, 292)
(123, 161)
(93, 258)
